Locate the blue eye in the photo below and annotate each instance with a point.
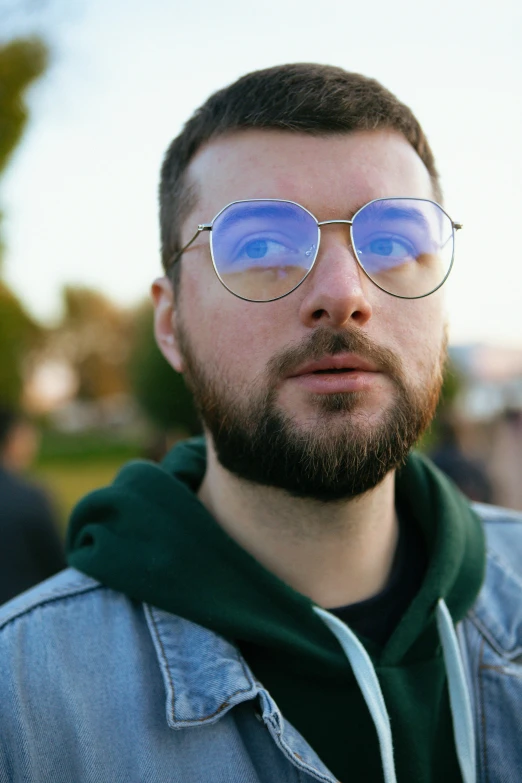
(390, 247)
(382, 247)
(263, 251)
(386, 252)
(258, 248)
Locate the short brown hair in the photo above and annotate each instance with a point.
(304, 98)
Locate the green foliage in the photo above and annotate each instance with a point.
(451, 387)
(94, 446)
(94, 337)
(21, 62)
(18, 333)
(159, 390)
(68, 481)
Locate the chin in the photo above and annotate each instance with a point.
(339, 409)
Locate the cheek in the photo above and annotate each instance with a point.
(230, 335)
(415, 330)
(427, 337)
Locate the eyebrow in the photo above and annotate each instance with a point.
(377, 208)
(384, 211)
(262, 208)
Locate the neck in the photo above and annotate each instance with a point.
(335, 553)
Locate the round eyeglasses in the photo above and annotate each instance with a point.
(263, 249)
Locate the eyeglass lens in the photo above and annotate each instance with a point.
(264, 249)
(404, 245)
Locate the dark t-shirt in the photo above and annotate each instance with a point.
(377, 617)
(30, 548)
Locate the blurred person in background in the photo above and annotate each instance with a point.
(470, 475)
(30, 547)
(505, 458)
(297, 596)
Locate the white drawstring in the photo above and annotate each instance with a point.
(366, 677)
(368, 682)
(459, 695)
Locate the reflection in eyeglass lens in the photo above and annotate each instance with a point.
(262, 250)
(405, 246)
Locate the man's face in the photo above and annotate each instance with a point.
(329, 430)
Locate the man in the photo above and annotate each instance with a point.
(296, 598)
(30, 548)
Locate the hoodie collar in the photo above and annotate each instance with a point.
(149, 537)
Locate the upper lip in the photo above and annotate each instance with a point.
(343, 361)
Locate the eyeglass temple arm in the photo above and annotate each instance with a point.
(177, 256)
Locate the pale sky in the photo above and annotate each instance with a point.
(80, 193)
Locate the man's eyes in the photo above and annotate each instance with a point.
(262, 249)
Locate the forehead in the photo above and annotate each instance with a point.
(327, 173)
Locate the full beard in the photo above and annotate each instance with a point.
(343, 452)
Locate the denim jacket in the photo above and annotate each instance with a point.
(96, 688)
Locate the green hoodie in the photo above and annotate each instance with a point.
(148, 536)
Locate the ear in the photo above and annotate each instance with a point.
(165, 322)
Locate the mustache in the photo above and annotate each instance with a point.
(324, 342)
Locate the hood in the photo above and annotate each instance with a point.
(148, 536)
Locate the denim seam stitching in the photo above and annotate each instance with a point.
(301, 765)
(163, 656)
(49, 599)
(482, 712)
(223, 706)
(501, 670)
(490, 638)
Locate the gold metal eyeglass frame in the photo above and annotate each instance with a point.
(208, 227)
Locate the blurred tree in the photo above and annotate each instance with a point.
(94, 338)
(21, 62)
(451, 387)
(160, 391)
(18, 334)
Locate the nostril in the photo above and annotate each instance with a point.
(318, 314)
(359, 317)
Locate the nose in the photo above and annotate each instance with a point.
(336, 291)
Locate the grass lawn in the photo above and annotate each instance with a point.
(68, 481)
(71, 465)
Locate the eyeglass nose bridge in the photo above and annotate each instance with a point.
(342, 222)
(327, 222)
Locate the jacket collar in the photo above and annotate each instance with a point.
(208, 684)
(204, 675)
(497, 613)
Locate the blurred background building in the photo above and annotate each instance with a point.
(486, 413)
